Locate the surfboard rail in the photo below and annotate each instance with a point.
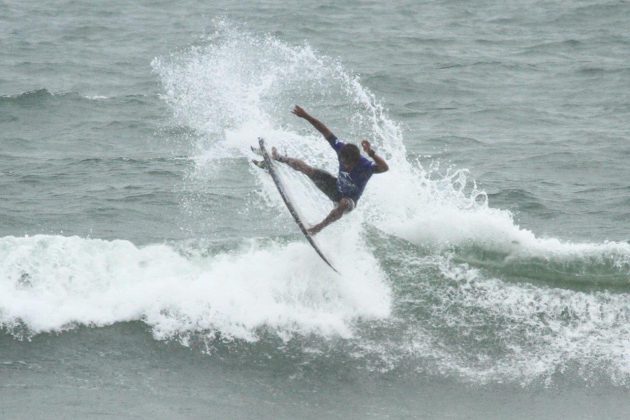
(281, 189)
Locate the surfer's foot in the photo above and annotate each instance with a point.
(314, 230)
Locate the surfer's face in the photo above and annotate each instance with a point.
(347, 165)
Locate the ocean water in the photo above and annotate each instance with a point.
(149, 270)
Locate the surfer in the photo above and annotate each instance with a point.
(354, 171)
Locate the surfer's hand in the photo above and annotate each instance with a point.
(299, 111)
(366, 146)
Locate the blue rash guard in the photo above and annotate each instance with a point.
(351, 184)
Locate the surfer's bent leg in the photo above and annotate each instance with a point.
(344, 205)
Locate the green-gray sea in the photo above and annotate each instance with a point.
(149, 270)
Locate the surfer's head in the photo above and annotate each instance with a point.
(349, 155)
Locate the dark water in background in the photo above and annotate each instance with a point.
(148, 270)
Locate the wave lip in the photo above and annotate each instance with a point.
(450, 215)
(577, 265)
(29, 98)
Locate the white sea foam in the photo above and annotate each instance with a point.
(52, 283)
(96, 97)
(545, 330)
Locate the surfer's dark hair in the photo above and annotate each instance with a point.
(350, 154)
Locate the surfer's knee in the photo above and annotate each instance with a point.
(346, 204)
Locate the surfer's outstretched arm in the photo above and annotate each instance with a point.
(299, 111)
(345, 204)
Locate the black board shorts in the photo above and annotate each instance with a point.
(328, 185)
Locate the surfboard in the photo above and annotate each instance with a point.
(270, 166)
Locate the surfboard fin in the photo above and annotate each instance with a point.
(261, 164)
